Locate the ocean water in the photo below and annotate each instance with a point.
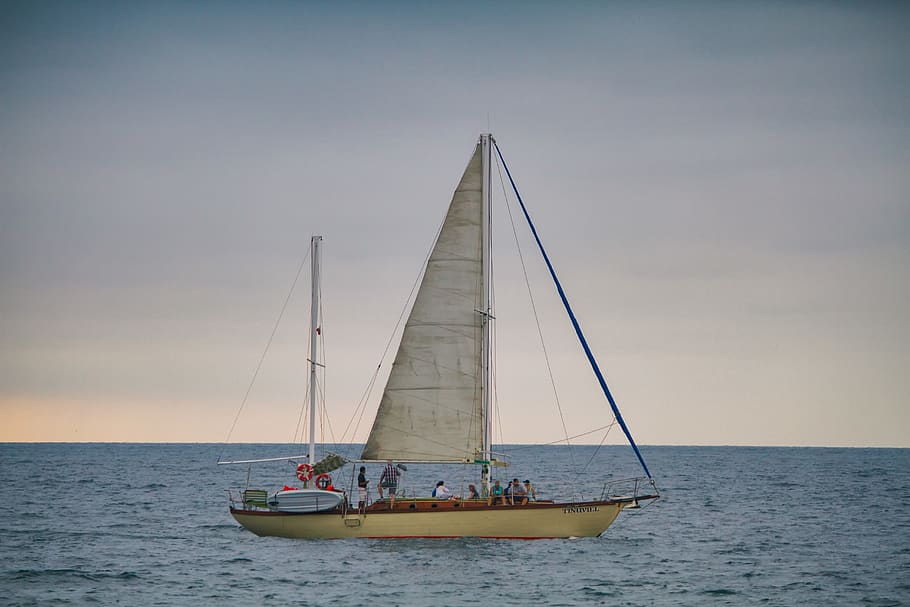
(129, 524)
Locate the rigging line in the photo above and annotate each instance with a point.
(322, 415)
(478, 383)
(494, 379)
(494, 333)
(493, 369)
(543, 345)
(267, 346)
(321, 386)
(303, 419)
(327, 420)
(298, 432)
(404, 309)
(491, 372)
(608, 427)
(499, 420)
(593, 455)
(577, 327)
(494, 401)
(563, 440)
(361, 407)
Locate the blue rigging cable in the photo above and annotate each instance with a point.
(565, 303)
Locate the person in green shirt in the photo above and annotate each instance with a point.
(495, 494)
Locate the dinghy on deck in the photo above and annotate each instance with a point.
(305, 500)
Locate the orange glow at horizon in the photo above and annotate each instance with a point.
(74, 420)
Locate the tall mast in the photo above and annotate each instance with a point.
(314, 326)
(487, 272)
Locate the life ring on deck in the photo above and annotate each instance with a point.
(323, 481)
(304, 472)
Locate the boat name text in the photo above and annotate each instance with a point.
(580, 509)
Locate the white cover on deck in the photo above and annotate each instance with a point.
(432, 407)
(305, 500)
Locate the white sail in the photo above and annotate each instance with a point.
(431, 409)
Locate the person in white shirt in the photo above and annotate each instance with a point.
(441, 492)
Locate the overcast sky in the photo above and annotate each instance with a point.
(723, 187)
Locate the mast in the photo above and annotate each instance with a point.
(314, 327)
(487, 291)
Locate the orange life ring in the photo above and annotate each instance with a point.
(304, 472)
(323, 481)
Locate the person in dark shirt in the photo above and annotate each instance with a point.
(362, 483)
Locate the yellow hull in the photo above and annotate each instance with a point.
(534, 521)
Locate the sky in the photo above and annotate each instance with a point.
(724, 189)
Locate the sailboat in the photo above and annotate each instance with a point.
(436, 408)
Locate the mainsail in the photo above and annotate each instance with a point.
(432, 409)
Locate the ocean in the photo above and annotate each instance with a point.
(147, 524)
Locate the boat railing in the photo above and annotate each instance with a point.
(632, 489)
(248, 499)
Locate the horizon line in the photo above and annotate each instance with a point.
(748, 446)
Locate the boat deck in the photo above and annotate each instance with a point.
(429, 503)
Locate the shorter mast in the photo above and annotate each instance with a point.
(314, 328)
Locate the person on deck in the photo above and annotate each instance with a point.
(441, 492)
(495, 494)
(530, 491)
(389, 480)
(362, 483)
(472, 493)
(517, 493)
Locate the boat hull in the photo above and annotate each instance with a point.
(533, 521)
